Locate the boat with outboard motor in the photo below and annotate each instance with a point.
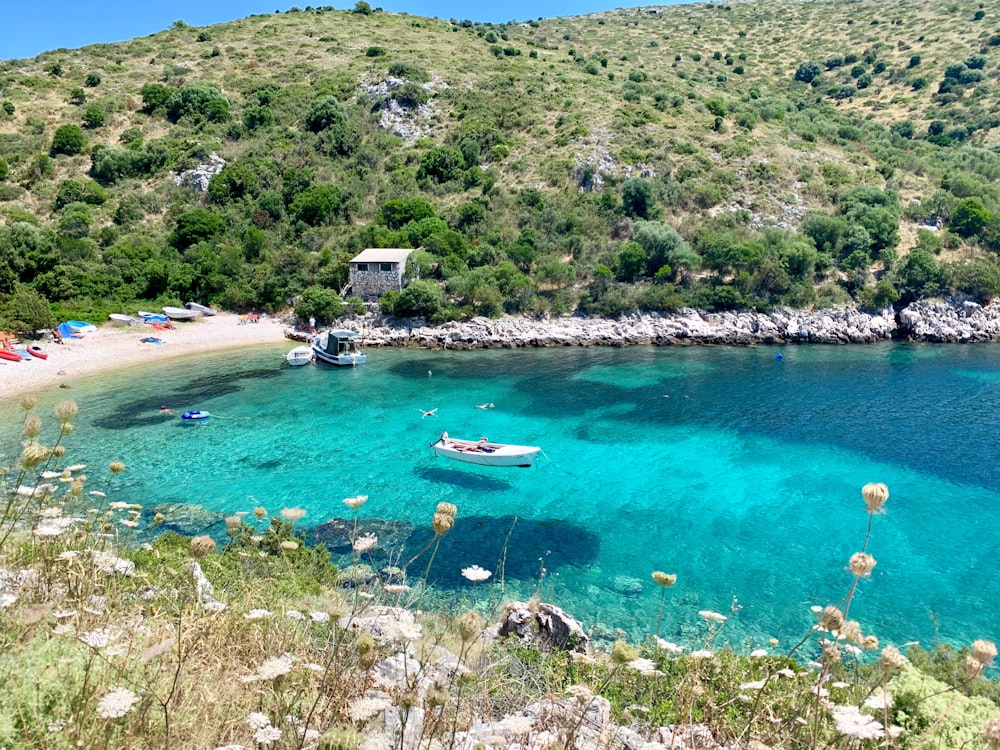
(338, 348)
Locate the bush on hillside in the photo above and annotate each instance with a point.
(68, 139)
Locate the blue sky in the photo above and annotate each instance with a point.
(30, 27)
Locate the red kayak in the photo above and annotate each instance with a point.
(36, 351)
(8, 354)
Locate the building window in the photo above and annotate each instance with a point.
(362, 267)
(385, 267)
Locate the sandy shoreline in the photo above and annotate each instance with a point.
(113, 347)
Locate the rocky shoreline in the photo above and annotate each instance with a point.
(950, 320)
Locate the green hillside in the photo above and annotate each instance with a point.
(750, 154)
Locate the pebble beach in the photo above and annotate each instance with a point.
(114, 347)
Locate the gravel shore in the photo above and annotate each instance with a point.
(113, 347)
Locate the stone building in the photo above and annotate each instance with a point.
(377, 270)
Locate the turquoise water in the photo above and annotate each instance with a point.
(739, 472)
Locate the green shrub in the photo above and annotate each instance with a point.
(197, 225)
(198, 99)
(155, 97)
(410, 71)
(68, 139)
(94, 117)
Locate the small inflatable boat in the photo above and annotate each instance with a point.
(194, 416)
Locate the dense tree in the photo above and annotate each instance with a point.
(25, 312)
(664, 246)
(638, 197)
(323, 304)
(970, 217)
(68, 139)
(420, 298)
(195, 226)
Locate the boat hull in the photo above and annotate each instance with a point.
(339, 360)
(9, 355)
(203, 309)
(37, 351)
(486, 454)
(180, 313)
(300, 355)
(127, 319)
(195, 416)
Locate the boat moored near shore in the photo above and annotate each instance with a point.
(484, 453)
(338, 348)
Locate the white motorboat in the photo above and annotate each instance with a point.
(485, 453)
(300, 355)
(203, 309)
(338, 348)
(180, 313)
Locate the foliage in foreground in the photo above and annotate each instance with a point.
(266, 644)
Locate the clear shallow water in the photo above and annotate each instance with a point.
(745, 482)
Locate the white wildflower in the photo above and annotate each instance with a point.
(755, 685)
(7, 599)
(97, 493)
(355, 502)
(670, 648)
(702, 654)
(130, 523)
(111, 564)
(62, 614)
(757, 653)
(365, 543)
(396, 588)
(230, 747)
(99, 638)
(116, 703)
(319, 617)
(267, 735)
(364, 709)
(76, 467)
(257, 720)
(70, 554)
(851, 722)
(293, 514)
(880, 700)
(257, 614)
(294, 614)
(711, 616)
(642, 665)
(118, 505)
(275, 667)
(476, 574)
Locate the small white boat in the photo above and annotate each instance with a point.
(127, 319)
(203, 309)
(180, 313)
(338, 348)
(300, 355)
(485, 453)
(195, 416)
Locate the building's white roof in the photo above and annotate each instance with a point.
(382, 255)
